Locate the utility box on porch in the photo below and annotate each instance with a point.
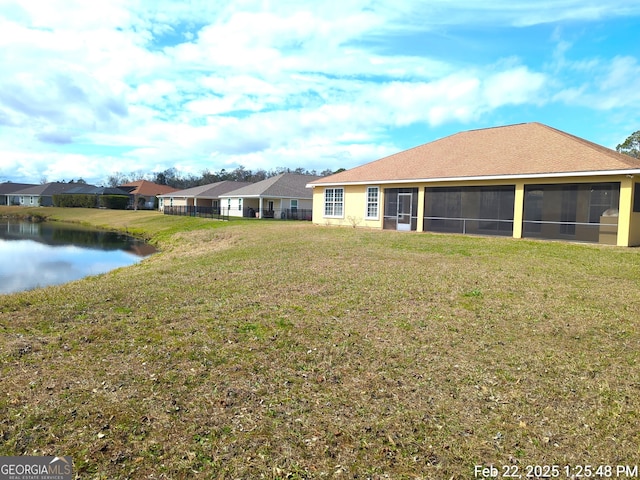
(608, 230)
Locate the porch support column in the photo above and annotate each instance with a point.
(518, 210)
(260, 209)
(420, 213)
(625, 211)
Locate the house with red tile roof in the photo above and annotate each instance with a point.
(144, 193)
(525, 181)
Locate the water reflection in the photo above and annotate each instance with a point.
(38, 254)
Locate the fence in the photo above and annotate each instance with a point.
(283, 214)
(191, 211)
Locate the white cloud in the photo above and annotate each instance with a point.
(265, 84)
(514, 87)
(609, 85)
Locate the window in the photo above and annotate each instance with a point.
(333, 202)
(294, 205)
(372, 202)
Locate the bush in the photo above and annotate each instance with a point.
(75, 200)
(115, 202)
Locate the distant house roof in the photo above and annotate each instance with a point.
(211, 190)
(93, 190)
(523, 150)
(146, 188)
(285, 185)
(46, 189)
(7, 188)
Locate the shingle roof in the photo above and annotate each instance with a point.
(93, 190)
(10, 187)
(285, 185)
(144, 187)
(46, 189)
(212, 190)
(523, 149)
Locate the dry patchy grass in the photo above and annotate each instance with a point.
(285, 350)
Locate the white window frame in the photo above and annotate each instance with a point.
(369, 203)
(330, 205)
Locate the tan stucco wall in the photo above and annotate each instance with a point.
(628, 221)
(355, 202)
(634, 221)
(355, 207)
(172, 202)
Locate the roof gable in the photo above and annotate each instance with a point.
(523, 149)
(285, 185)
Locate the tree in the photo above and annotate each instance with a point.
(631, 146)
(117, 178)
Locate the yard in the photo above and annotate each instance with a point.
(287, 350)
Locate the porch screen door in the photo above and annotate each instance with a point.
(404, 211)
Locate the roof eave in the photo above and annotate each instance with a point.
(634, 171)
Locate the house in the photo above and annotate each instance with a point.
(85, 191)
(144, 193)
(524, 181)
(282, 196)
(7, 190)
(40, 195)
(198, 198)
(43, 195)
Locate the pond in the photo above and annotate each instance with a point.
(34, 255)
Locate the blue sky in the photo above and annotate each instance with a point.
(91, 89)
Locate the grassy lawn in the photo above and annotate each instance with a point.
(256, 349)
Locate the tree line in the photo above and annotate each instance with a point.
(172, 178)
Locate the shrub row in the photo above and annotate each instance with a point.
(80, 200)
(115, 202)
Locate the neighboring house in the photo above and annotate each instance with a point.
(86, 189)
(282, 196)
(41, 195)
(144, 193)
(527, 180)
(7, 190)
(200, 198)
